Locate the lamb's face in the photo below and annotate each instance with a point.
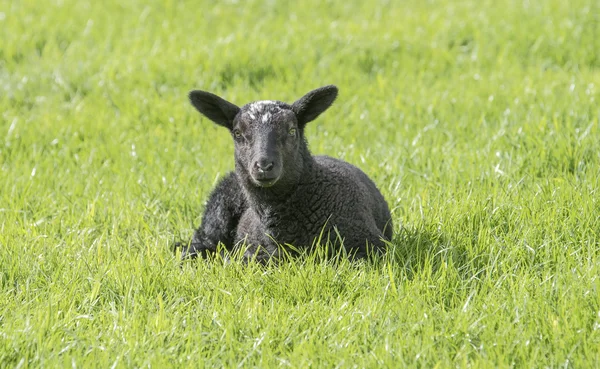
(269, 142)
(267, 139)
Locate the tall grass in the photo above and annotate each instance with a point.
(479, 121)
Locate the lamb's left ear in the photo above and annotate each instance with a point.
(214, 108)
(311, 105)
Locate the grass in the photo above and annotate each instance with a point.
(479, 121)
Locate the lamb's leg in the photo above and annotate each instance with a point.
(219, 222)
(254, 241)
(261, 254)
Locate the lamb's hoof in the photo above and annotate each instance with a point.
(194, 250)
(188, 255)
(187, 250)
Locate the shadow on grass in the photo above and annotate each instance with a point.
(426, 250)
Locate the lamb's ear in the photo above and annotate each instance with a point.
(311, 105)
(214, 108)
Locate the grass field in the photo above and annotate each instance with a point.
(479, 121)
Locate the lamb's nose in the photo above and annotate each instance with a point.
(264, 165)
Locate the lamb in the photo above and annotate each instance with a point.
(279, 194)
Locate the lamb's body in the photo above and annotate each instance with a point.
(312, 198)
(331, 194)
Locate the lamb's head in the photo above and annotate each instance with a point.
(268, 135)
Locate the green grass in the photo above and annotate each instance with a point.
(479, 121)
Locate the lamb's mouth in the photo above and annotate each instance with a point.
(265, 182)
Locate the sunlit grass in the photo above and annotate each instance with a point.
(479, 121)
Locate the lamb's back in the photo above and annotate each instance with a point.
(349, 193)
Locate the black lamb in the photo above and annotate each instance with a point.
(279, 194)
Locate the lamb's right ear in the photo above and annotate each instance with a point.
(214, 108)
(311, 105)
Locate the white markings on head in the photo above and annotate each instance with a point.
(263, 110)
(266, 116)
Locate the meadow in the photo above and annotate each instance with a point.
(478, 120)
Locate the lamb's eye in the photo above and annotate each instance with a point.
(237, 133)
(292, 132)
